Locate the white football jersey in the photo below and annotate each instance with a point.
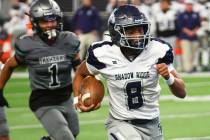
(133, 86)
(165, 21)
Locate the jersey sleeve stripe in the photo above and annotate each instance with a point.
(168, 58)
(162, 41)
(92, 59)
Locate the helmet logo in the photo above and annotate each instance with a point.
(138, 20)
(48, 13)
(117, 28)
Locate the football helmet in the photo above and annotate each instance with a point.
(128, 16)
(45, 10)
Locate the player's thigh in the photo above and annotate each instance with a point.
(156, 132)
(120, 130)
(4, 130)
(71, 116)
(54, 122)
(151, 130)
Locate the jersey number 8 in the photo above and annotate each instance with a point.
(134, 96)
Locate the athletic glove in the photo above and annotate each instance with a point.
(3, 101)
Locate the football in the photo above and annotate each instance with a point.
(92, 91)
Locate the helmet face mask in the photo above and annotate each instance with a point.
(124, 18)
(46, 11)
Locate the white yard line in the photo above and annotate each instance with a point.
(162, 97)
(173, 98)
(186, 99)
(193, 138)
(20, 75)
(196, 74)
(186, 115)
(101, 121)
(188, 84)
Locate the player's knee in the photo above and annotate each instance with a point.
(64, 134)
(75, 132)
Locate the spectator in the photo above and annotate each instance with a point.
(87, 23)
(17, 24)
(4, 8)
(188, 24)
(165, 26)
(202, 8)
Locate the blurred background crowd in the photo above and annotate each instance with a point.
(185, 24)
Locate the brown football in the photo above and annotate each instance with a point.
(92, 91)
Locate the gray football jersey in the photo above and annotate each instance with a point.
(49, 66)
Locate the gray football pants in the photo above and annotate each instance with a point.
(122, 130)
(61, 122)
(4, 130)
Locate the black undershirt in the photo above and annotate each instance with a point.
(46, 97)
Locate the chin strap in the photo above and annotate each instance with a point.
(51, 33)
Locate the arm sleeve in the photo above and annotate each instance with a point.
(75, 43)
(92, 62)
(20, 53)
(91, 69)
(168, 58)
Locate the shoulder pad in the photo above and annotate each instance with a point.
(92, 58)
(22, 45)
(168, 58)
(71, 38)
(162, 41)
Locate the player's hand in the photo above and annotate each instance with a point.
(97, 106)
(162, 69)
(3, 101)
(81, 107)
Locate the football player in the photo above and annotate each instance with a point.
(165, 24)
(50, 54)
(5, 53)
(4, 130)
(132, 64)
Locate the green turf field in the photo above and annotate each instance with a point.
(180, 118)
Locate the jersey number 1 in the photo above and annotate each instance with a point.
(53, 70)
(133, 90)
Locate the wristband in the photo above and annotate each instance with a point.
(76, 100)
(170, 80)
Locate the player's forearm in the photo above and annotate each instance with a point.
(178, 88)
(7, 71)
(76, 62)
(76, 84)
(80, 74)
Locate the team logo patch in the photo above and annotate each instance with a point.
(114, 62)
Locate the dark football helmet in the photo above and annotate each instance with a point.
(128, 16)
(45, 10)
